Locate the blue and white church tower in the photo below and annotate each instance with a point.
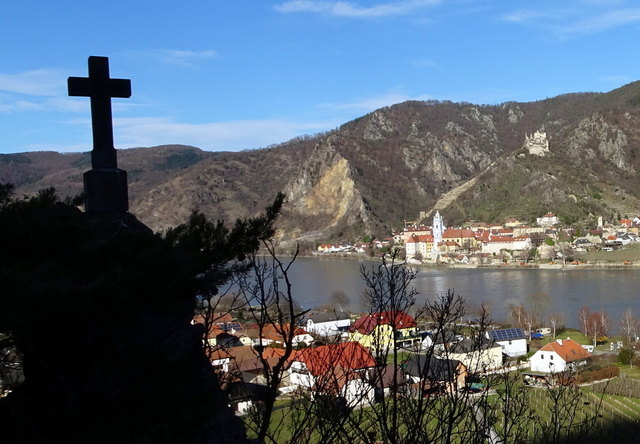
(437, 230)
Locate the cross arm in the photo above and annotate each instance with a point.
(87, 87)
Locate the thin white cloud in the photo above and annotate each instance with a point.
(603, 21)
(351, 9)
(425, 63)
(526, 16)
(575, 18)
(180, 57)
(233, 135)
(18, 106)
(617, 80)
(40, 82)
(373, 103)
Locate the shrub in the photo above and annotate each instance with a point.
(626, 356)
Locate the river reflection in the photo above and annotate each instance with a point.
(552, 290)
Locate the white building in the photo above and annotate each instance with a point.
(328, 324)
(495, 244)
(512, 340)
(558, 356)
(335, 369)
(477, 358)
(537, 143)
(548, 220)
(422, 244)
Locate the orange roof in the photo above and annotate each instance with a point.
(569, 350)
(216, 318)
(455, 233)
(346, 355)
(366, 324)
(420, 238)
(275, 333)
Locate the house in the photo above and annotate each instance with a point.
(419, 244)
(384, 329)
(419, 230)
(548, 220)
(278, 334)
(495, 244)
(328, 323)
(431, 373)
(512, 340)
(513, 222)
(242, 363)
(335, 369)
(476, 355)
(387, 379)
(558, 356)
(465, 238)
(439, 340)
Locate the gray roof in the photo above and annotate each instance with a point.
(431, 367)
(469, 345)
(322, 316)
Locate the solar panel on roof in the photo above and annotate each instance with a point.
(507, 334)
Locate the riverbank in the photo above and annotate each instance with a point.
(498, 266)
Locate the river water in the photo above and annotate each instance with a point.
(543, 290)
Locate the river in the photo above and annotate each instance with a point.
(550, 290)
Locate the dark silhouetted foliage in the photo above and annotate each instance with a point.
(99, 309)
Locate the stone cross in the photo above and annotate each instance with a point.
(105, 185)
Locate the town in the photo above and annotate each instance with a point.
(545, 243)
(362, 361)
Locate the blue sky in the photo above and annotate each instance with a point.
(231, 75)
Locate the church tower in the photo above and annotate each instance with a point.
(437, 230)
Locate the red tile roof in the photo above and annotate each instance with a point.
(275, 333)
(346, 355)
(569, 350)
(421, 238)
(457, 233)
(366, 324)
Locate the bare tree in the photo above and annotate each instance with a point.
(269, 287)
(517, 315)
(339, 299)
(629, 325)
(557, 320)
(583, 316)
(597, 325)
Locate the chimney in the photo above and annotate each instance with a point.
(559, 341)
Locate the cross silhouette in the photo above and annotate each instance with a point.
(100, 88)
(105, 185)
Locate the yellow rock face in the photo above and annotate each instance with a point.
(333, 194)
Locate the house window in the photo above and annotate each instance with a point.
(551, 357)
(541, 356)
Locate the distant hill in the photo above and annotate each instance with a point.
(372, 173)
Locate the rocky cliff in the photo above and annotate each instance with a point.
(371, 174)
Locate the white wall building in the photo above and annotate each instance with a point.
(512, 340)
(327, 324)
(496, 244)
(548, 220)
(558, 356)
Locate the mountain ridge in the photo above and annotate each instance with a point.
(371, 174)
